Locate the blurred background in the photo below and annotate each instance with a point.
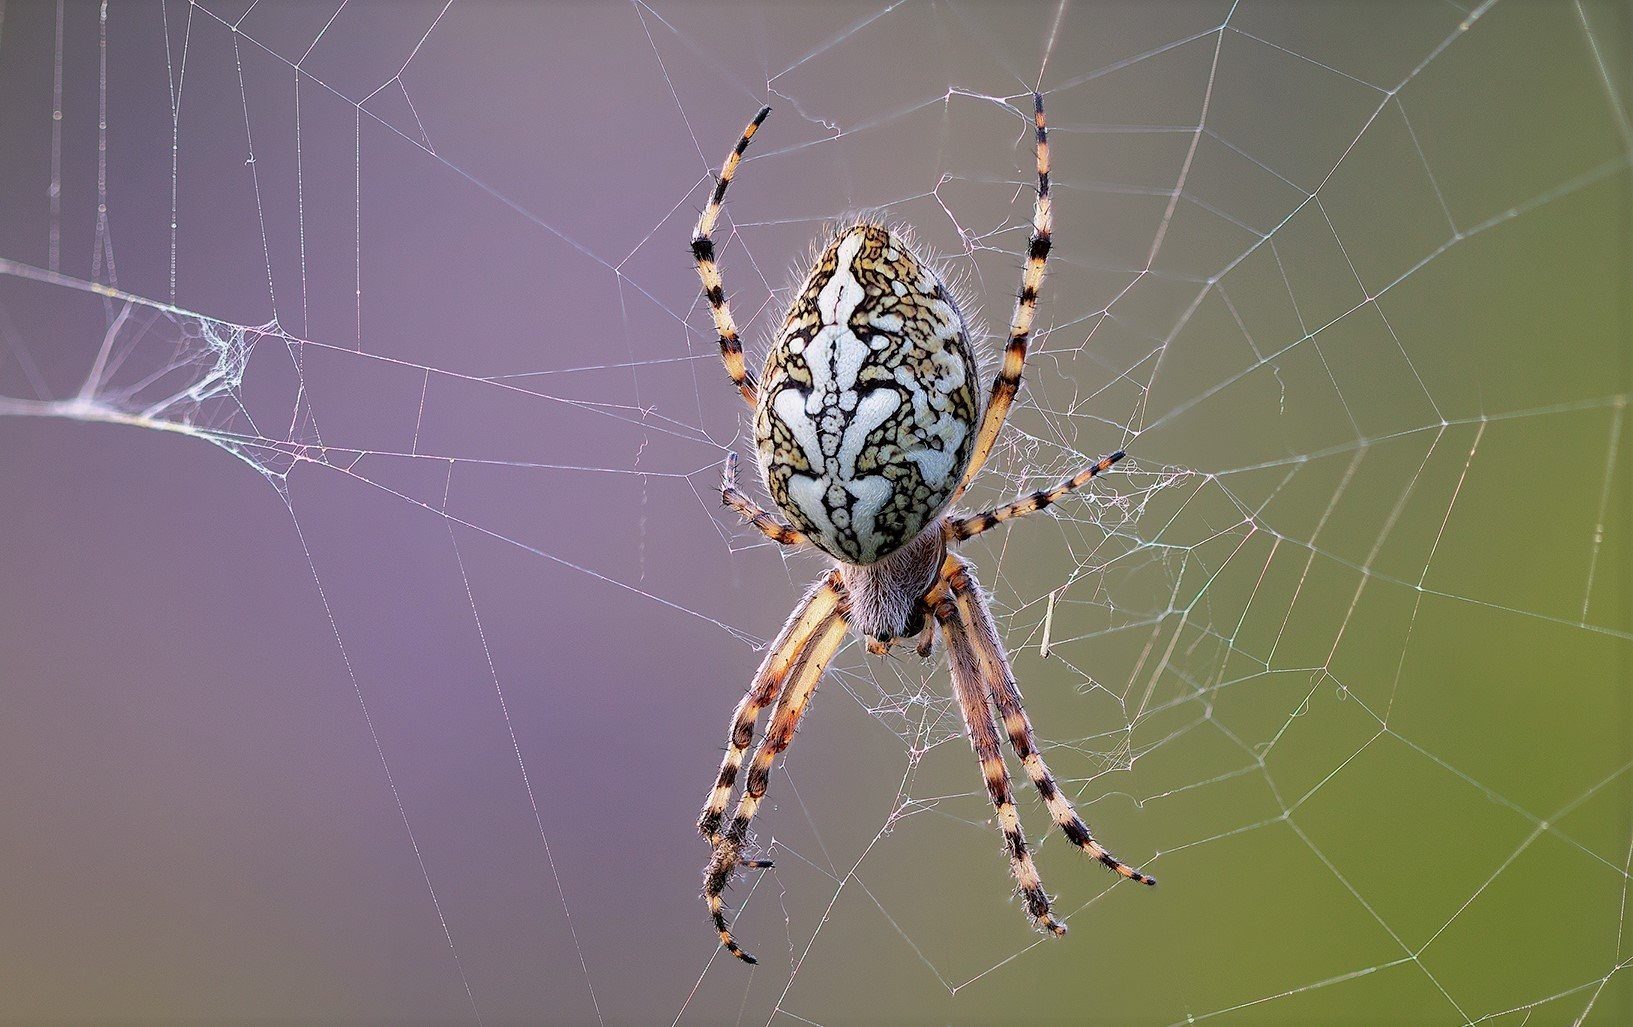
(369, 624)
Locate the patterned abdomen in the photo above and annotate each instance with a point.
(868, 401)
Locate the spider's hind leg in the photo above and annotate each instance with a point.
(708, 269)
(1008, 381)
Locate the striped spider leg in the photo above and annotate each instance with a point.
(789, 677)
(766, 523)
(708, 271)
(868, 423)
(1008, 381)
(961, 528)
(970, 677)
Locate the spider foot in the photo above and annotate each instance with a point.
(717, 877)
(755, 864)
(717, 911)
(1078, 833)
(1037, 904)
(1117, 866)
(1042, 918)
(735, 949)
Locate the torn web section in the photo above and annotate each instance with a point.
(151, 366)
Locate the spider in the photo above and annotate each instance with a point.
(868, 424)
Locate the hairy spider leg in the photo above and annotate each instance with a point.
(973, 700)
(768, 525)
(790, 646)
(708, 271)
(1008, 381)
(807, 671)
(961, 528)
(982, 637)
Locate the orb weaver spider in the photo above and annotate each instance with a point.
(868, 425)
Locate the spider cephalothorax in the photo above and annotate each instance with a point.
(868, 423)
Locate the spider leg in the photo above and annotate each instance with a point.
(731, 348)
(973, 699)
(962, 528)
(926, 641)
(769, 526)
(825, 639)
(1006, 695)
(1008, 381)
(785, 654)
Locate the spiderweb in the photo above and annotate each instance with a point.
(1340, 653)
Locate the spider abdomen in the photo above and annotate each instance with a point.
(868, 404)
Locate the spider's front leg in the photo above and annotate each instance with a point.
(967, 673)
(979, 635)
(801, 654)
(787, 651)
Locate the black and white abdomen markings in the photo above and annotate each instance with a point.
(868, 404)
